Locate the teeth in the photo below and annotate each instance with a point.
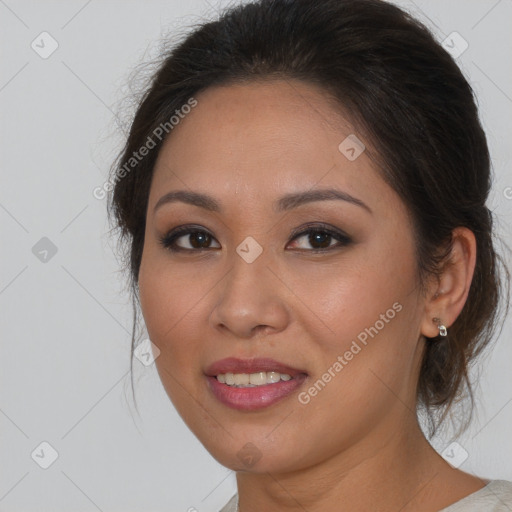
(246, 380)
(241, 379)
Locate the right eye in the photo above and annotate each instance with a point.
(187, 238)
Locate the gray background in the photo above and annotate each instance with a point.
(65, 322)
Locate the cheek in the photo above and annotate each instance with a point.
(346, 298)
(167, 300)
(167, 291)
(363, 312)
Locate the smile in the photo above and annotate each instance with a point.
(252, 384)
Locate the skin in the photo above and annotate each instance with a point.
(357, 442)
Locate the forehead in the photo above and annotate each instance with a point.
(259, 139)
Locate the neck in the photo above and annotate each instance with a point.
(387, 471)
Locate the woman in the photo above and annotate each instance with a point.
(303, 192)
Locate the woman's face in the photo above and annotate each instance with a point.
(337, 309)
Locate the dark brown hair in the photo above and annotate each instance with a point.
(401, 90)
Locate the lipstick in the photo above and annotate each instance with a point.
(252, 384)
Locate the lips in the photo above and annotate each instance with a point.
(257, 397)
(234, 365)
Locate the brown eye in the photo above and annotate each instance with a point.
(199, 240)
(320, 239)
(188, 239)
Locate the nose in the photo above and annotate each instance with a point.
(250, 301)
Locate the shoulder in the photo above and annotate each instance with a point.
(496, 496)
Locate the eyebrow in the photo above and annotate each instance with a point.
(287, 202)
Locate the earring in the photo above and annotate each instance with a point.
(442, 329)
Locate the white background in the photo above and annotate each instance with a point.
(66, 323)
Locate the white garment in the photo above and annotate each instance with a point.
(496, 496)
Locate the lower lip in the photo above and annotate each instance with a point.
(258, 397)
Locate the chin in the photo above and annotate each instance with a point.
(254, 454)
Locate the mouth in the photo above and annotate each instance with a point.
(251, 384)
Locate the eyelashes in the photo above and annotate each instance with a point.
(319, 237)
(200, 238)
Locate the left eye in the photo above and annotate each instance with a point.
(320, 239)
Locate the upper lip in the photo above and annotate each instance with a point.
(254, 365)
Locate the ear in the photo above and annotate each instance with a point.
(447, 296)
